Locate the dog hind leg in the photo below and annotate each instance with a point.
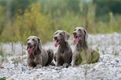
(50, 56)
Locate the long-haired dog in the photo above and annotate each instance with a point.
(82, 54)
(37, 56)
(63, 56)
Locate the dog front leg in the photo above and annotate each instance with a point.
(30, 63)
(38, 62)
(57, 61)
(38, 66)
(73, 62)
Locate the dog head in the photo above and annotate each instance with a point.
(80, 33)
(33, 43)
(60, 36)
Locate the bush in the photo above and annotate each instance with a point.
(32, 22)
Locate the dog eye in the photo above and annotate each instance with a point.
(74, 29)
(80, 30)
(60, 34)
(33, 39)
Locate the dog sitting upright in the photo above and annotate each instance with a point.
(37, 56)
(63, 56)
(82, 54)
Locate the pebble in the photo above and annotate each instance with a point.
(108, 67)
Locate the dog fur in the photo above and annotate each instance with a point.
(82, 54)
(37, 56)
(63, 56)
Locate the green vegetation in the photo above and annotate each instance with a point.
(22, 18)
(91, 57)
(3, 78)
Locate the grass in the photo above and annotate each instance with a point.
(43, 22)
(3, 78)
(1, 51)
(86, 70)
(2, 54)
(15, 61)
(12, 53)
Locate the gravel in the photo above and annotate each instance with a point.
(108, 67)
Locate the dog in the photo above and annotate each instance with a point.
(82, 53)
(63, 56)
(37, 57)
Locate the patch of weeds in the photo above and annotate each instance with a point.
(113, 42)
(97, 49)
(2, 54)
(90, 43)
(23, 52)
(116, 53)
(1, 50)
(12, 46)
(103, 52)
(86, 67)
(3, 78)
(22, 48)
(15, 61)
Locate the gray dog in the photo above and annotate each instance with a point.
(63, 56)
(37, 56)
(82, 54)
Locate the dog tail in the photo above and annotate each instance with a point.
(50, 56)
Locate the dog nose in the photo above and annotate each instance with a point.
(74, 33)
(55, 38)
(28, 43)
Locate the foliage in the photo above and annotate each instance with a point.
(32, 22)
(14, 6)
(3, 78)
(2, 19)
(43, 17)
(104, 7)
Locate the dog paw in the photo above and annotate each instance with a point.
(65, 65)
(38, 66)
(73, 65)
(29, 67)
(57, 64)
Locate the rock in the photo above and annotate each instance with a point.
(108, 67)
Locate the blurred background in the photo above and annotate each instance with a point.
(21, 18)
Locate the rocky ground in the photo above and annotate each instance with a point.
(108, 68)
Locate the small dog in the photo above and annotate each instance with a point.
(82, 54)
(37, 56)
(63, 56)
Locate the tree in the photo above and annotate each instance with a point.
(104, 7)
(16, 5)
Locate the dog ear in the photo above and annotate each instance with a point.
(85, 35)
(66, 35)
(39, 43)
(54, 34)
